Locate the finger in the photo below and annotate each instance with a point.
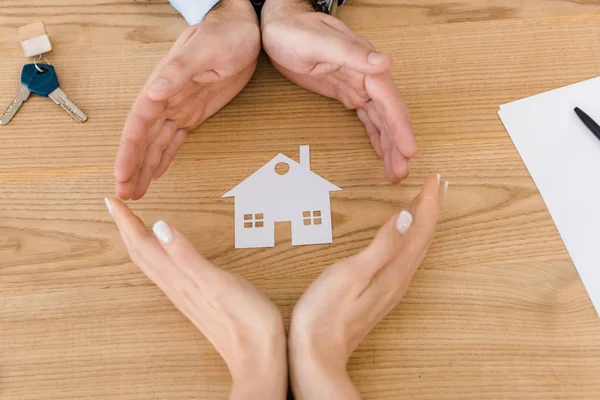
(375, 298)
(131, 153)
(153, 157)
(348, 96)
(400, 165)
(147, 253)
(392, 108)
(169, 154)
(426, 209)
(186, 258)
(443, 190)
(355, 80)
(371, 130)
(175, 49)
(324, 69)
(417, 238)
(386, 243)
(404, 256)
(143, 248)
(180, 67)
(141, 120)
(388, 168)
(140, 128)
(340, 26)
(343, 51)
(126, 190)
(372, 113)
(336, 24)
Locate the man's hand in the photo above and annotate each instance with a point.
(243, 325)
(343, 304)
(320, 53)
(209, 65)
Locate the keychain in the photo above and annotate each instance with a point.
(40, 79)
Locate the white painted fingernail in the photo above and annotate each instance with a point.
(439, 178)
(162, 232)
(109, 207)
(404, 222)
(446, 187)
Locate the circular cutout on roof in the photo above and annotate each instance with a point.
(282, 168)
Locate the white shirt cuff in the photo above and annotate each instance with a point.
(193, 11)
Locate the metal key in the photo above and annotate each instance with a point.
(21, 96)
(46, 84)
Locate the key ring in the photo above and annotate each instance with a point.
(40, 58)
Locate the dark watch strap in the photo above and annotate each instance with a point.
(325, 6)
(258, 5)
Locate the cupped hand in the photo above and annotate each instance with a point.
(243, 325)
(351, 297)
(209, 65)
(320, 53)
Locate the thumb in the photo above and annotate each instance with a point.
(179, 69)
(184, 255)
(353, 54)
(386, 243)
(171, 78)
(414, 228)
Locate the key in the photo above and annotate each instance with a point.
(21, 96)
(46, 84)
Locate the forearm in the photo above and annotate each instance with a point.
(245, 390)
(265, 377)
(272, 385)
(311, 378)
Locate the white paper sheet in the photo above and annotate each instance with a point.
(563, 158)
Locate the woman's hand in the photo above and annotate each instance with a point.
(243, 325)
(346, 302)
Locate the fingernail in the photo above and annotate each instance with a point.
(404, 222)
(446, 187)
(377, 58)
(109, 207)
(162, 232)
(159, 84)
(439, 179)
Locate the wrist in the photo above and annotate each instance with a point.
(264, 388)
(318, 372)
(232, 9)
(198, 11)
(316, 377)
(261, 372)
(277, 9)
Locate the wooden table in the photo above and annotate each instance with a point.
(497, 310)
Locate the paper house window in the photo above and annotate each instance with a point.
(254, 220)
(312, 217)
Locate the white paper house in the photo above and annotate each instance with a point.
(299, 196)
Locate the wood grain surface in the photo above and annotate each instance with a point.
(497, 310)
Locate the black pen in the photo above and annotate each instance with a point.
(588, 121)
